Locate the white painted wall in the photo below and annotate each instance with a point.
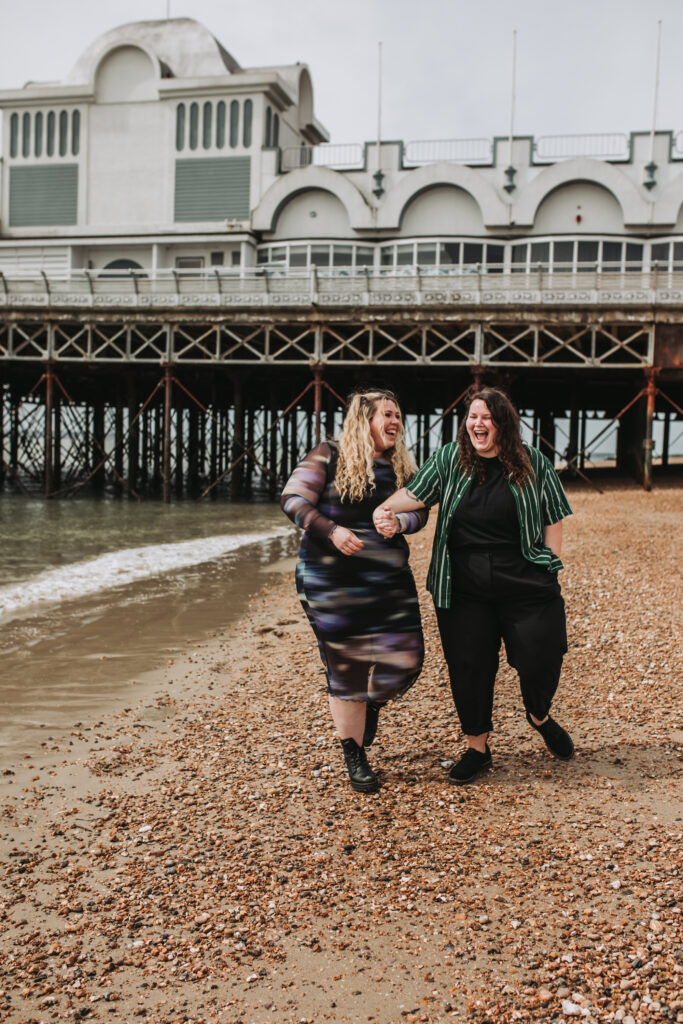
(442, 210)
(126, 75)
(598, 209)
(130, 165)
(313, 214)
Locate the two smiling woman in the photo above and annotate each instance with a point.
(493, 573)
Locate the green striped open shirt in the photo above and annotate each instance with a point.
(540, 502)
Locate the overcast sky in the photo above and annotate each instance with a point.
(583, 66)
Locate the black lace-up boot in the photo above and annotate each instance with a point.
(361, 775)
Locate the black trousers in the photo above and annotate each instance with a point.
(499, 595)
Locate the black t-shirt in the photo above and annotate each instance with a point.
(486, 516)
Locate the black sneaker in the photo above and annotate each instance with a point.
(557, 740)
(471, 765)
(371, 718)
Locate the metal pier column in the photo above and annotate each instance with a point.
(49, 400)
(648, 443)
(168, 384)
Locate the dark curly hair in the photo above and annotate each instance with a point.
(511, 451)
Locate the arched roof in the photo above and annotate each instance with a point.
(302, 180)
(182, 47)
(635, 209)
(493, 209)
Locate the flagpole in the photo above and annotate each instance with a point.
(510, 170)
(513, 86)
(378, 175)
(650, 168)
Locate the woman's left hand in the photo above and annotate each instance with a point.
(386, 522)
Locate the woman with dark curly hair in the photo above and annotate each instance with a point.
(493, 574)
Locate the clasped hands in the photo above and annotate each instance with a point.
(348, 543)
(386, 522)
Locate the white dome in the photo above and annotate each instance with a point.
(183, 47)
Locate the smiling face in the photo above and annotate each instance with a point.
(483, 432)
(385, 425)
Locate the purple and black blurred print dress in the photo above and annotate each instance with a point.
(363, 608)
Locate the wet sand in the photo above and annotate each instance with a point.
(74, 660)
(198, 855)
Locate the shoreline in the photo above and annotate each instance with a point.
(200, 856)
(77, 658)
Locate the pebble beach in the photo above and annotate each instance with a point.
(197, 856)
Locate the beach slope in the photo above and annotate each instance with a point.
(198, 856)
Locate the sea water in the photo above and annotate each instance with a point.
(95, 592)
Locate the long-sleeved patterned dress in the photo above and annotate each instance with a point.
(363, 608)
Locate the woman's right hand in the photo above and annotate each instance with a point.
(346, 541)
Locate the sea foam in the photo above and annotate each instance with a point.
(118, 568)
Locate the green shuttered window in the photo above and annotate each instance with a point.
(212, 188)
(43, 195)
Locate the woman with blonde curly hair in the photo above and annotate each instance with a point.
(355, 586)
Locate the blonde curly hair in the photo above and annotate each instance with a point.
(355, 476)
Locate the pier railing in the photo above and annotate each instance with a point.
(603, 146)
(583, 285)
(608, 146)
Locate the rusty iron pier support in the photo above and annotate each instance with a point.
(48, 450)
(166, 471)
(648, 444)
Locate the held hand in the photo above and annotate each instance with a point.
(385, 522)
(346, 541)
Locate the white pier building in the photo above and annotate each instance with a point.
(164, 210)
(158, 152)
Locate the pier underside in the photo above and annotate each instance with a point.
(190, 403)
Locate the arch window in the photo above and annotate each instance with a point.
(220, 125)
(320, 255)
(269, 120)
(276, 129)
(26, 135)
(667, 255)
(180, 127)
(75, 132)
(342, 255)
(246, 123)
(207, 118)
(426, 254)
(63, 132)
(298, 256)
(121, 268)
(234, 123)
(14, 135)
(365, 255)
(194, 125)
(38, 135)
(469, 256)
(324, 255)
(449, 256)
(50, 141)
(581, 255)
